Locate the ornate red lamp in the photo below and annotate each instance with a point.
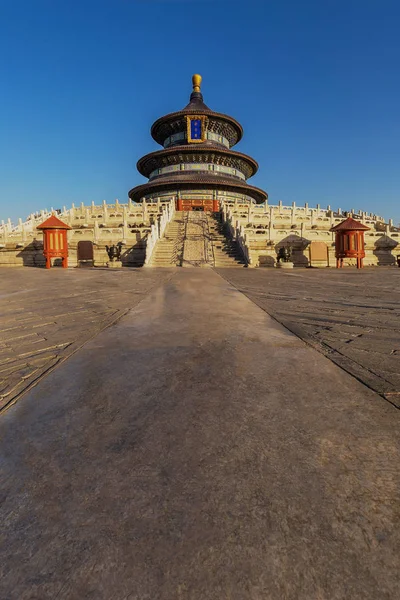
(55, 242)
(349, 241)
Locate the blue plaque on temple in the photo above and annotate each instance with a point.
(195, 129)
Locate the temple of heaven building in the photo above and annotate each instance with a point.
(197, 166)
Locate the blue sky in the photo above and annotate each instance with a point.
(314, 83)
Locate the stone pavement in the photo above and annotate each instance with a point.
(353, 317)
(45, 316)
(198, 450)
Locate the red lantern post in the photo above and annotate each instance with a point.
(349, 241)
(55, 242)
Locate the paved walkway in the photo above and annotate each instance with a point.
(45, 316)
(197, 450)
(352, 316)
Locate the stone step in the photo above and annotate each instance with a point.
(220, 260)
(159, 261)
(230, 266)
(231, 253)
(163, 257)
(164, 265)
(229, 258)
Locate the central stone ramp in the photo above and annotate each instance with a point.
(197, 450)
(197, 249)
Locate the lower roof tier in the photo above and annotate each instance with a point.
(190, 181)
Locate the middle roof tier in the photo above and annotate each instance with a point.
(150, 164)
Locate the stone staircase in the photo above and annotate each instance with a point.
(168, 250)
(196, 239)
(225, 250)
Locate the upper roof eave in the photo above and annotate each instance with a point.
(194, 110)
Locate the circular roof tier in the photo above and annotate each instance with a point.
(217, 122)
(189, 181)
(198, 154)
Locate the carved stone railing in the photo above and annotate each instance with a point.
(109, 214)
(236, 232)
(242, 242)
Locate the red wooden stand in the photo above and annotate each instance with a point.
(55, 242)
(349, 241)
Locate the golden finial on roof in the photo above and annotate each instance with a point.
(196, 79)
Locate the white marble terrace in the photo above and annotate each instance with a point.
(259, 229)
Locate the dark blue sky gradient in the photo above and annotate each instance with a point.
(314, 83)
